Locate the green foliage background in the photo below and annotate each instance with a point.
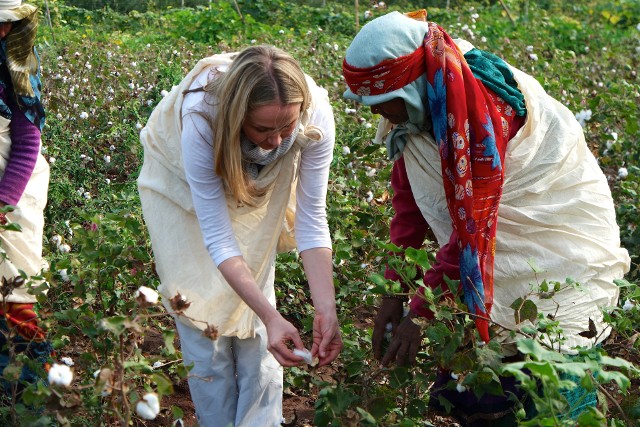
(105, 66)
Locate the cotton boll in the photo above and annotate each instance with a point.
(623, 173)
(56, 240)
(369, 197)
(583, 116)
(63, 275)
(60, 375)
(148, 295)
(628, 305)
(149, 407)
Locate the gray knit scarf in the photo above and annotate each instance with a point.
(254, 157)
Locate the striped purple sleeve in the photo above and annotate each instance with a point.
(25, 147)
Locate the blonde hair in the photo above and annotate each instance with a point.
(258, 76)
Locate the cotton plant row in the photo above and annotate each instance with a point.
(124, 382)
(148, 406)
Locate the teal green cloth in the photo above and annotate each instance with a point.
(579, 398)
(496, 75)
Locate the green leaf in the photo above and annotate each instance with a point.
(534, 349)
(524, 310)
(576, 369)
(418, 257)
(618, 363)
(607, 376)
(177, 412)
(114, 324)
(587, 383)
(544, 286)
(366, 419)
(446, 404)
(378, 279)
(163, 383)
(542, 369)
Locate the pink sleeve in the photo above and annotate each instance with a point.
(25, 147)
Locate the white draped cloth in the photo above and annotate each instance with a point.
(556, 210)
(22, 250)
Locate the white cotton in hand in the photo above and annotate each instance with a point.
(304, 353)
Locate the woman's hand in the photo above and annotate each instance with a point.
(390, 311)
(280, 332)
(327, 342)
(405, 343)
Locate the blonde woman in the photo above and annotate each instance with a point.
(236, 163)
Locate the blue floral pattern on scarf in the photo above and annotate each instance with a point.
(437, 95)
(491, 150)
(471, 280)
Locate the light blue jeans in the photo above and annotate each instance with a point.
(233, 382)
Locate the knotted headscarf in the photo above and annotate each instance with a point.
(395, 56)
(18, 53)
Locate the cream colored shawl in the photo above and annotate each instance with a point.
(182, 261)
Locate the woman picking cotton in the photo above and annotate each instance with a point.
(236, 164)
(498, 171)
(23, 183)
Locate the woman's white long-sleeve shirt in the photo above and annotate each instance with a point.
(311, 229)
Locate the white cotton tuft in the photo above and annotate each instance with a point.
(304, 353)
(623, 173)
(60, 375)
(628, 305)
(149, 407)
(149, 294)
